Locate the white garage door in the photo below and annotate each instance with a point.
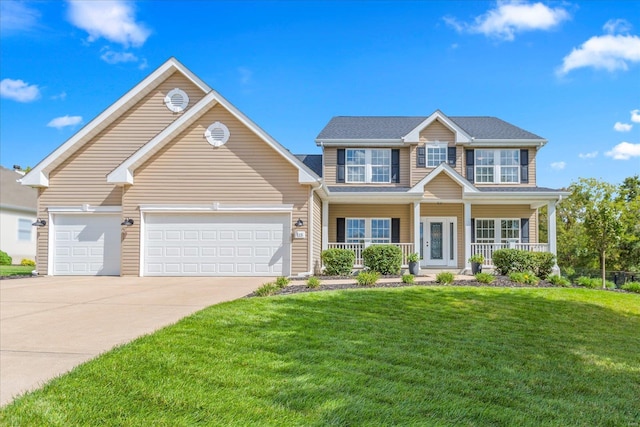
(217, 244)
(86, 245)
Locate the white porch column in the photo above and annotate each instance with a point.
(551, 231)
(416, 227)
(325, 225)
(467, 236)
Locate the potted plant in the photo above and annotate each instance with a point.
(476, 261)
(414, 263)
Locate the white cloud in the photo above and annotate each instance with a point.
(624, 151)
(622, 127)
(113, 20)
(591, 155)
(19, 90)
(558, 166)
(61, 96)
(609, 52)
(111, 57)
(635, 116)
(17, 16)
(143, 64)
(511, 17)
(64, 121)
(617, 26)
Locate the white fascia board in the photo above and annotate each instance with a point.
(461, 136)
(86, 208)
(508, 142)
(505, 197)
(216, 207)
(124, 173)
(443, 168)
(38, 178)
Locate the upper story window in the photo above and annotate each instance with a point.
(368, 165)
(24, 229)
(436, 154)
(497, 166)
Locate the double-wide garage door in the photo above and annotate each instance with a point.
(220, 244)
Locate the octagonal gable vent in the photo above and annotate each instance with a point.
(176, 100)
(217, 134)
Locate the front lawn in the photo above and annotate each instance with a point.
(16, 270)
(435, 356)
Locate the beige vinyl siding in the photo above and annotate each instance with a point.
(42, 238)
(190, 171)
(402, 211)
(509, 212)
(442, 187)
(82, 178)
(449, 210)
(532, 169)
(330, 158)
(317, 232)
(436, 131)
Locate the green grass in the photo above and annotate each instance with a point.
(16, 270)
(436, 356)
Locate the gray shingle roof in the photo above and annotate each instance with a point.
(516, 189)
(14, 194)
(312, 161)
(395, 127)
(358, 189)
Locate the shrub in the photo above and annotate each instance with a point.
(385, 259)
(485, 278)
(632, 287)
(524, 278)
(367, 278)
(413, 257)
(267, 289)
(5, 259)
(477, 258)
(515, 260)
(445, 278)
(543, 263)
(558, 280)
(28, 262)
(313, 282)
(408, 279)
(282, 282)
(338, 262)
(588, 282)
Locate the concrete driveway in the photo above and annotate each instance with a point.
(48, 325)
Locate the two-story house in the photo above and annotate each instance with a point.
(173, 179)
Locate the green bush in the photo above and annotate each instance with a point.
(5, 259)
(632, 287)
(385, 259)
(445, 278)
(267, 289)
(524, 278)
(515, 260)
(485, 278)
(367, 278)
(28, 262)
(408, 279)
(338, 262)
(588, 282)
(282, 282)
(558, 280)
(313, 282)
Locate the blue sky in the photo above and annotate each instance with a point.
(567, 71)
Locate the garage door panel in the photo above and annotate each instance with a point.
(216, 244)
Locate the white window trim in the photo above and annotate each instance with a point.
(367, 166)
(439, 145)
(367, 229)
(497, 166)
(497, 229)
(28, 223)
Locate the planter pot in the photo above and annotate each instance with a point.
(476, 268)
(414, 268)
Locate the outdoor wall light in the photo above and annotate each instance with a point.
(39, 223)
(128, 222)
(299, 223)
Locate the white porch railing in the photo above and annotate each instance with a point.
(357, 248)
(487, 249)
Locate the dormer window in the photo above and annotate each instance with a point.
(368, 165)
(436, 154)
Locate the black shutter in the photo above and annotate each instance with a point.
(421, 160)
(524, 166)
(524, 230)
(395, 165)
(395, 230)
(473, 231)
(340, 229)
(451, 156)
(470, 160)
(340, 171)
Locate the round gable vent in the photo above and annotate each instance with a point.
(176, 100)
(217, 134)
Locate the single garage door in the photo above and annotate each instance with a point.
(219, 244)
(86, 245)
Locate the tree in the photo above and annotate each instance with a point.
(629, 197)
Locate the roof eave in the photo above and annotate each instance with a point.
(505, 142)
(358, 142)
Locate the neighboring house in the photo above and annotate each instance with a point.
(17, 213)
(172, 179)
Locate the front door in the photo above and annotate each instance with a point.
(439, 242)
